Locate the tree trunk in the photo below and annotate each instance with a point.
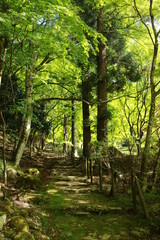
(134, 192)
(3, 52)
(4, 150)
(74, 151)
(43, 139)
(101, 92)
(154, 35)
(86, 126)
(112, 191)
(53, 134)
(26, 125)
(65, 145)
(141, 197)
(156, 169)
(145, 157)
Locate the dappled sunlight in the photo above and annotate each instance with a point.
(52, 191)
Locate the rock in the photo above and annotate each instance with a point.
(106, 237)
(82, 213)
(19, 224)
(24, 236)
(28, 181)
(2, 221)
(89, 238)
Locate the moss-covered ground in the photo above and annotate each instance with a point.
(65, 206)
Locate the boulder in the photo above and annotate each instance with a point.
(28, 181)
(24, 236)
(19, 224)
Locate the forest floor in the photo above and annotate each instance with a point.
(65, 206)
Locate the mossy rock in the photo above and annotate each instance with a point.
(28, 181)
(38, 235)
(34, 171)
(24, 236)
(10, 233)
(19, 224)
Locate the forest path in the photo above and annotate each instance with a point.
(75, 210)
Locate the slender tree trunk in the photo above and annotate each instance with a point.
(43, 139)
(145, 157)
(134, 190)
(112, 191)
(154, 35)
(141, 197)
(86, 126)
(156, 169)
(31, 141)
(3, 52)
(26, 125)
(65, 129)
(53, 134)
(4, 149)
(101, 92)
(74, 151)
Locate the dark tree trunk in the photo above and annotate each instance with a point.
(4, 149)
(43, 140)
(74, 151)
(53, 134)
(86, 128)
(65, 145)
(156, 168)
(3, 52)
(101, 92)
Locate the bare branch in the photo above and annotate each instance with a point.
(139, 14)
(61, 99)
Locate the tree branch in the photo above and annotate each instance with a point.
(62, 99)
(135, 5)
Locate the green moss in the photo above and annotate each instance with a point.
(28, 181)
(24, 236)
(19, 224)
(33, 171)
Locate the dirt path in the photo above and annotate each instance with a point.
(75, 210)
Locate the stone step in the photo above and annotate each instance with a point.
(73, 189)
(65, 173)
(92, 209)
(70, 183)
